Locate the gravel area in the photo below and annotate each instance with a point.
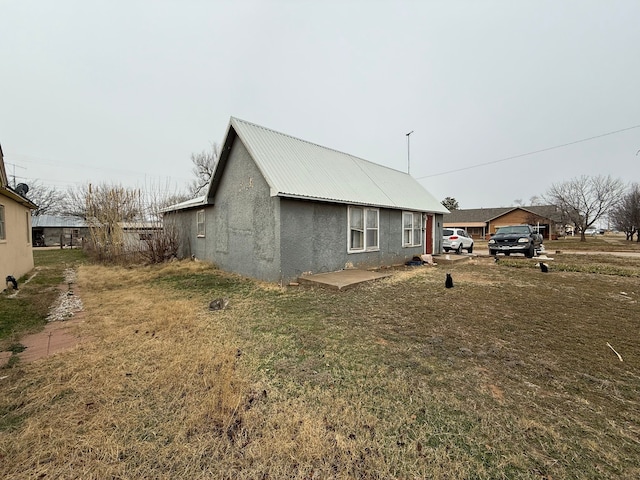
(67, 304)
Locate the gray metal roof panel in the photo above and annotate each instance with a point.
(57, 221)
(297, 168)
(191, 203)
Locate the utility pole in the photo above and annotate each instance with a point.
(408, 153)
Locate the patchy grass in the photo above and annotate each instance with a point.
(609, 241)
(27, 311)
(583, 263)
(507, 375)
(57, 258)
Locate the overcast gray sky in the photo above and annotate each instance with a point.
(124, 91)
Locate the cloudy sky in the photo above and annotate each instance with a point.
(124, 91)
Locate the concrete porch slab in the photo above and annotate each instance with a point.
(342, 279)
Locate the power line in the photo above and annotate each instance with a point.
(26, 158)
(529, 153)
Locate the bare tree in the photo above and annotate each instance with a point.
(49, 200)
(585, 200)
(204, 163)
(626, 215)
(126, 224)
(535, 200)
(75, 204)
(88, 201)
(450, 203)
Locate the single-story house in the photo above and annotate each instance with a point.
(483, 222)
(278, 207)
(16, 253)
(59, 230)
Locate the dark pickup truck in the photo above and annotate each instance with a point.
(516, 239)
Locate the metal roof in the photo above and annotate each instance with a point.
(57, 221)
(141, 225)
(300, 169)
(194, 202)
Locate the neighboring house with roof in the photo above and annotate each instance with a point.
(137, 235)
(65, 231)
(277, 207)
(59, 230)
(16, 253)
(483, 222)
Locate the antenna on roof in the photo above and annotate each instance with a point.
(14, 171)
(408, 157)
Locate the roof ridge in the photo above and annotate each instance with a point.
(316, 144)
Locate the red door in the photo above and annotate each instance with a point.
(429, 235)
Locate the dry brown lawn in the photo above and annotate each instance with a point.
(507, 375)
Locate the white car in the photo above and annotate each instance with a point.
(456, 239)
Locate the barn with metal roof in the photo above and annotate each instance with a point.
(278, 206)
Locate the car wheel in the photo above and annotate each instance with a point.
(446, 250)
(459, 249)
(470, 249)
(531, 252)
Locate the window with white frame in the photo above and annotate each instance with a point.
(200, 222)
(364, 233)
(411, 229)
(3, 233)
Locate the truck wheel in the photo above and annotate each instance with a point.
(531, 252)
(493, 253)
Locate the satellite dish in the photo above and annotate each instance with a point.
(22, 189)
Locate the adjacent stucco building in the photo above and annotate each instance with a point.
(278, 207)
(16, 254)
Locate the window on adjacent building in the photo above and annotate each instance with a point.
(3, 233)
(363, 229)
(411, 229)
(200, 222)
